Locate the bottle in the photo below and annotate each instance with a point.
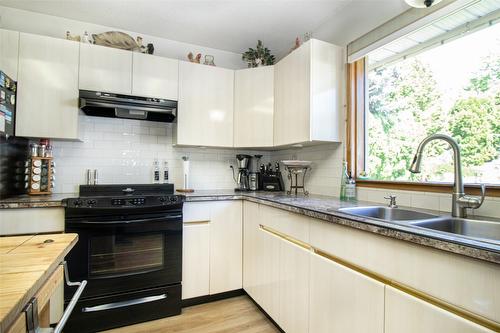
(165, 172)
(343, 181)
(350, 188)
(156, 172)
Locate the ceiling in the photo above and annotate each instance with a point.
(231, 25)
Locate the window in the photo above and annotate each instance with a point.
(444, 78)
(452, 88)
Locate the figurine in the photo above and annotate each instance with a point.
(73, 38)
(193, 59)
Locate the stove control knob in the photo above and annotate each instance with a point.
(77, 203)
(173, 199)
(162, 199)
(91, 202)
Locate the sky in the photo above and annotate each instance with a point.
(454, 63)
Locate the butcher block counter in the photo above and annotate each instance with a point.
(30, 266)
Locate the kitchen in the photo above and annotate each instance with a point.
(177, 178)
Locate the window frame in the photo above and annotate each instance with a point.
(357, 105)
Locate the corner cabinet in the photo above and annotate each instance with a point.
(205, 108)
(154, 76)
(47, 100)
(105, 69)
(253, 107)
(9, 48)
(308, 95)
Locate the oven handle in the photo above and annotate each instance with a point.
(116, 305)
(157, 219)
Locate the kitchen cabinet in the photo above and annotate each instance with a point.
(47, 97)
(42, 220)
(212, 248)
(226, 246)
(342, 300)
(261, 262)
(293, 288)
(205, 108)
(308, 95)
(9, 48)
(195, 260)
(105, 69)
(154, 76)
(405, 313)
(254, 107)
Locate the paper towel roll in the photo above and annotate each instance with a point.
(185, 174)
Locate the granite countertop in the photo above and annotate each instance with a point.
(325, 208)
(36, 201)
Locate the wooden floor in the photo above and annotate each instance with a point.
(235, 315)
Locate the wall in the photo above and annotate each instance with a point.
(31, 22)
(123, 151)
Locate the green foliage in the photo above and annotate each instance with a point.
(259, 56)
(475, 124)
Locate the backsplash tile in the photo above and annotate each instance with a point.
(123, 151)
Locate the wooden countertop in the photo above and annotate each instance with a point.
(26, 262)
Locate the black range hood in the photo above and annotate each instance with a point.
(102, 104)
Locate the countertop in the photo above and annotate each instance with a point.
(26, 262)
(325, 208)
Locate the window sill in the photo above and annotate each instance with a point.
(491, 190)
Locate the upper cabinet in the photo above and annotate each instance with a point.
(105, 69)
(47, 97)
(154, 76)
(254, 107)
(205, 109)
(9, 48)
(308, 99)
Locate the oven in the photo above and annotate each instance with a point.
(132, 260)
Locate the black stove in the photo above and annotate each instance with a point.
(130, 252)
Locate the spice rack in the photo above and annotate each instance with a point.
(40, 175)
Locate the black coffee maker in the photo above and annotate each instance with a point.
(241, 180)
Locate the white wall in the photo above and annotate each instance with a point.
(35, 23)
(123, 151)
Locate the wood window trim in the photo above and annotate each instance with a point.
(356, 106)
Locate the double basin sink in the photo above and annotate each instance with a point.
(477, 229)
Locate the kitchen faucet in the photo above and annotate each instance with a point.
(460, 200)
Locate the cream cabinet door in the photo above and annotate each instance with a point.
(105, 69)
(405, 313)
(47, 97)
(294, 288)
(226, 247)
(342, 300)
(250, 245)
(9, 48)
(292, 97)
(205, 109)
(155, 76)
(195, 260)
(254, 107)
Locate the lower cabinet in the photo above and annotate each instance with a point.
(195, 260)
(405, 313)
(342, 300)
(293, 288)
(212, 248)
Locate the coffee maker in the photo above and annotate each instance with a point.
(241, 180)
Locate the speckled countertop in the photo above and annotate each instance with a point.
(325, 208)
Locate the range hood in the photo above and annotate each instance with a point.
(101, 104)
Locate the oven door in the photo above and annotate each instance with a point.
(117, 254)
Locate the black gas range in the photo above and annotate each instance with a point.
(130, 252)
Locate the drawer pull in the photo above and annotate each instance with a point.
(122, 304)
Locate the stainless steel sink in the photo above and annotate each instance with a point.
(387, 213)
(483, 230)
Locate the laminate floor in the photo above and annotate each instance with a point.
(235, 315)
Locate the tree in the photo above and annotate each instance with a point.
(474, 123)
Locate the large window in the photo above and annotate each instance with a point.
(454, 89)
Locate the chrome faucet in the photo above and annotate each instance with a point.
(460, 200)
